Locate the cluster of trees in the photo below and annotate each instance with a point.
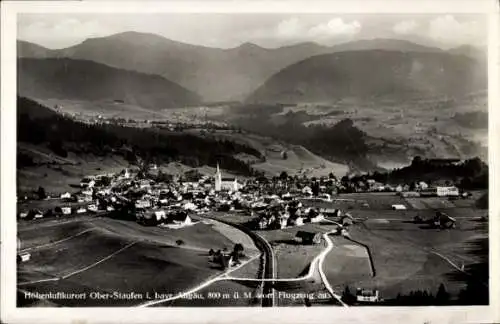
(219, 257)
(469, 175)
(39, 125)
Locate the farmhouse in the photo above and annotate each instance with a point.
(367, 295)
(398, 207)
(308, 237)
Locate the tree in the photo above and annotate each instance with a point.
(417, 161)
(211, 252)
(283, 175)
(315, 189)
(347, 296)
(442, 296)
(179, 242)
(284, 155)
(238, 249)
(41, 193)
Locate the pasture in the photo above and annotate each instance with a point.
(115, 257)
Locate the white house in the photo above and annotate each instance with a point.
(299, 221)
(367, 295)
(142, 204)
(92, 208)
(81, 210)
(318, 218)
(190, 206)
(398, 207)
(23, 257)
(447, 191)
(65, 195)
(66, 210)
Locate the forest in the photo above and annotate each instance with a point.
(41, 126)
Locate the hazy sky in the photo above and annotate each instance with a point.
(268, 30)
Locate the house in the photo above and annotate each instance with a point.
(180, 218)
(282, 222)
(443, 220)
(331, 212)
(142, 204)
(317, 218)
(423, 186)
(367, 295)
(298, 221)
(23, 257)
(307, 190)
(308, 237)
(399, 188)
(190, 206)
(66, 195)
(81, 210)
(447, 191)
(347, 220)
(398, 207)
(87, 182)
(92, 208)
(66, 210)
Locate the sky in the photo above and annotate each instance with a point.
(266, 30)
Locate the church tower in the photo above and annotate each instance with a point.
(218, 179)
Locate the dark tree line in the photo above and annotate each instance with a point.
(469, 175)
(39, 125)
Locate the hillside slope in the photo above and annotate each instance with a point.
(214, 73)
(373, 74)
(85, 80)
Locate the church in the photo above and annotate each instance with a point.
(225, 184)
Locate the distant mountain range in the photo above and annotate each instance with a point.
(213, 73)
(53, 78)
(371, 74)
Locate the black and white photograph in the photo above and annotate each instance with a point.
(250, 159)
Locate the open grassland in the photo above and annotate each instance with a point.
(406, 257)
(234, 235)
(58, 175)
(347, 263)
(106, 255)
(252, 269)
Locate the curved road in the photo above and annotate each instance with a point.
(269, 272)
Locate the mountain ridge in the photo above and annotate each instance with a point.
(214, 73)
(64, 78)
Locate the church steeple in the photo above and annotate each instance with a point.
(218, 179)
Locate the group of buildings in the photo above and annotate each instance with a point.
(275, 203)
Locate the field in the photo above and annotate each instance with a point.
(112, 256)
(347, 263)
(405, 256)
(58, 175)
(299, 159)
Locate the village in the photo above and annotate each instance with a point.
(150, 198)
(277, 203)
